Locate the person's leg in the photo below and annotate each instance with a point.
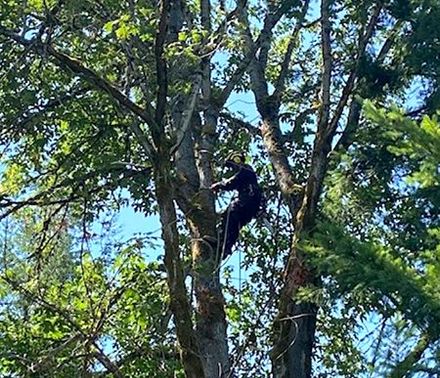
(229, 232)
(238, 214)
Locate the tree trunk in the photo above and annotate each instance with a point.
(295, 324)
(197, 202)
(211, 322)
(180, 307)
(293, 359)
(294, 328)
(210, 315)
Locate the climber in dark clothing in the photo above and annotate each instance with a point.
(244, 207)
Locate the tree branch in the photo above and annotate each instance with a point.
(187, 114)
(270, 21)
(49, 306)
(67, 63)
(218, 34)
(241, 124)
(389, 42)
(281, 80)
(107, 363)
(347, 91)
(354, 113)
(179, 304)
(406, 365)
(161, 64)
(324, 111)
(268, 106)
(50, 105)
(41, 365)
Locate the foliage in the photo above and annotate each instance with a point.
(88, 89)
(380, 255)
(68, 311)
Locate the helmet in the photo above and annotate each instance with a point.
(235, 157)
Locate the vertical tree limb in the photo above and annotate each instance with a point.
(210, 314)
(292, 352)
(297, 357)
(268, 106)
(324, 111)
(161, 64)
(180, 307)
(348, 89)
(280, 82)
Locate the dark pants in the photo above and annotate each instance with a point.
(237, 215)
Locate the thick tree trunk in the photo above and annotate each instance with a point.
(210, 315)
(297, 321)
(295, 325)
(180, 307)
(293, 359)
(294, 328)
(197, 202)
(211, 323)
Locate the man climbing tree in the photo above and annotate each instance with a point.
(242, 208)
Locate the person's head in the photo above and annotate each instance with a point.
(234, 159)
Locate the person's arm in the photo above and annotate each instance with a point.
(229, 184)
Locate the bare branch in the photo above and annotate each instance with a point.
(42, 198)
(218, 34)
(187, 114)
(108, 364)
(326, 128)
(239, 71)
(140, 135)
(134, 62)
(354, 113)
(347, 91)
(252, 47)
(389, 42)
(43, 361)
(281, 80)
(161, 64)
(270, 21)
(324, 112)
(268, 106)
(205, 15)
(241, 124)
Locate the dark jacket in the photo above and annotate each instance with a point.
(246, 184)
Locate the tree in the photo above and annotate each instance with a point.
(162, 75)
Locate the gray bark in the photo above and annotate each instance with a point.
(190, 351)
(292, 359)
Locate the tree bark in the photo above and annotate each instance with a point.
(210, 314)
(292, 358)
(180, 307)
(295, 323)
(197, 202)
(211, 322)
